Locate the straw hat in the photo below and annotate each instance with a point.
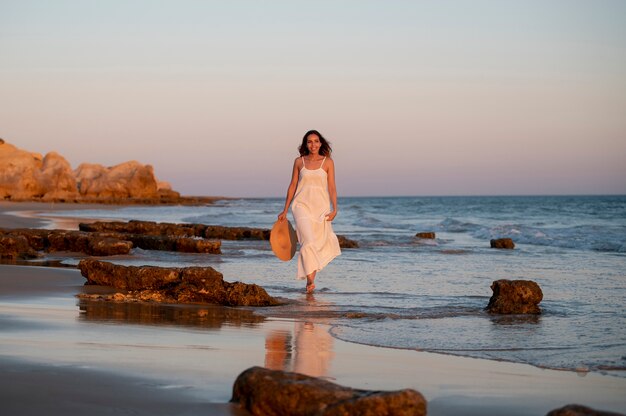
(283, 240)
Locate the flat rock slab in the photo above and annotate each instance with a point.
(279, 393)
(190, 230)
(172, 285)
(74, 241)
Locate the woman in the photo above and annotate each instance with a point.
(312, 189)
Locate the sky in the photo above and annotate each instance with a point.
(444, 97)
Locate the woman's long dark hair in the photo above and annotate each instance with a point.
(325, 149)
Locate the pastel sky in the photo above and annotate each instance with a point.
(438, 97)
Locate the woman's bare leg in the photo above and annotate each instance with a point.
(310, 282)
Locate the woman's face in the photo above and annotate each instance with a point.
(313, 143)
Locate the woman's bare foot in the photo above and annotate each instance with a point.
(310, 283)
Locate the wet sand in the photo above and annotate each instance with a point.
(70, 356)
(26, 214)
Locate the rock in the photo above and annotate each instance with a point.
(515, 297)
(106, 246)
(191, 230)
(172, 243)
(126, 180)
(505, 243)
(14, 247)
(128, 277)
(181, 285)
(578, 410)
(19, 174)
(345, 242)
(429, 235)
(236, 233)
(57, 179)
(26, 176)
(74, 241)
(273, 393)
(111, 243)
(37, 239)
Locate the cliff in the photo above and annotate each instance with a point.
(27, 176)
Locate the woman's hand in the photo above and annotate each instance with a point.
(331, 216)
(282, 216)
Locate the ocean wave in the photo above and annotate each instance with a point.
(452, 225)
(582, 237)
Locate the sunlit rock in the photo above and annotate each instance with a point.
(276, 393)
(174, 285)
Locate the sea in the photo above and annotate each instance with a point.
(400, 291)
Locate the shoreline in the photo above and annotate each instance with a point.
(194, 354)
(235, 341)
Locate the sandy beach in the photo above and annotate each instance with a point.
(66, 355)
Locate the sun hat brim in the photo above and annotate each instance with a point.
(283, 240)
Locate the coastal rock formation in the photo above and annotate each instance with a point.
(73, 241)
(19, 173)
(26, 176)
(16, 247)
(428, 235)
(109, 244)
(578, 410)
(277, 393)
(190, 230)
(173, 285)
(515, 297)
(170, 243)
(126, 180)
(57, 178)
(505, 243)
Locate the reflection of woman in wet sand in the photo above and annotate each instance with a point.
(313, 350)
(312, 189)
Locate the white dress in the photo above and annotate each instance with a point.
(311, 204)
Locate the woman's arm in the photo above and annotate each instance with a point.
(292, 188)
(332, 190)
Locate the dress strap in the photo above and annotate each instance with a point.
(303, 165)
(323, 162)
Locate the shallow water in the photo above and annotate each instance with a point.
(403, 292)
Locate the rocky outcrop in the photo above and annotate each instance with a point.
(73, 241)
(190, 230)
(20, 172)
(515, 297)
(57, 178)
(16, 247)
(278, 393)
(108, 244)
(426, 235)
(171, 243)
(505, 243)
(26, 176)
(173, 285)
(578, 410)
(126, 180)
